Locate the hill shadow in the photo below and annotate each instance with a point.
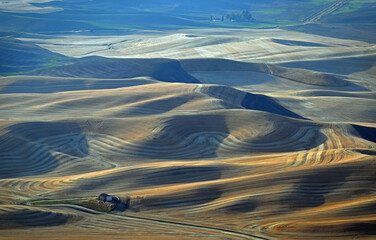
(188, 198)
(297, 43)
(32, 218)
(242, 206)
(368, 133)
(176, 175)
(267, 104)
(185, 137)
(364, 228)
(343, 66)
(310, 191)
(295, 71)
(287, 138)
(162, 69)
(62, 85)
(18, 56)
(27, 148)
(219, 64)
(365, 151)
(250, 101)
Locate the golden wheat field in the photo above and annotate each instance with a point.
(209, 134)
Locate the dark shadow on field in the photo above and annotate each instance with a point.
(315, 78)
(176, 175)
(297, 43)
(26, 149)
(295, 71)
(364, 228)
(45, 133)
(133, 179)
(121, 206)
(30, 218)
(17, 56)
(365, 151)
(114, 182)
(185, 137)
(62, 85)
(310, 190)
(368, 133)
(162, 69)
(242, 206)
(343, 66)
(183, 199)
(201, 136)
(238, 78)
(156, 106)
(219, 64)
(267, 104)
(250, 101)
(284, 133)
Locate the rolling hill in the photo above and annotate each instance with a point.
(195, 129)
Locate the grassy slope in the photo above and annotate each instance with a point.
(357, 13)
(18, 56)
(355, 20)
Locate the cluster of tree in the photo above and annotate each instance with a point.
(244, 16)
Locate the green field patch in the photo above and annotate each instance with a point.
(353, 6)
(276, 11)
(322, 2)
(8, 74)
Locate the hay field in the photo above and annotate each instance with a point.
(213, 134)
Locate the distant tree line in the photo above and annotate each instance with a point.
(244, 16)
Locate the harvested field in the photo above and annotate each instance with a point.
(230, 134)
